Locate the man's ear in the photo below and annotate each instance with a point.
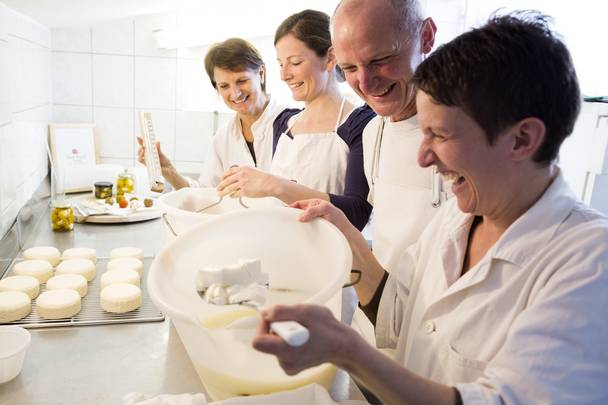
(527, 135)
(427, 35)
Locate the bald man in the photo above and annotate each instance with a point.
(379, 44)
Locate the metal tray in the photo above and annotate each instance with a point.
(91, 312)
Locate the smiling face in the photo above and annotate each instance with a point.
(456, 144)
(306, 74)
(378, 58)
(241, 91)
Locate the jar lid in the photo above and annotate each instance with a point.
(61, 204)
(125, 175)
(103, 184)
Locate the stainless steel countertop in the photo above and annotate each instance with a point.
(100, 364)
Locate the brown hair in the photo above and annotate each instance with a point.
(312, 28)
(234, 54)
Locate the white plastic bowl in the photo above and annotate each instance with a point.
(179, 208)
(14, 342)
(306, 263)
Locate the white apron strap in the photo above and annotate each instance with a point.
(339, 120)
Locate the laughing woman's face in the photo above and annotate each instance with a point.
(241, 91)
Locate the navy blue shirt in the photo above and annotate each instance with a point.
(354, 202)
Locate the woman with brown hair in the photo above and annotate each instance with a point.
(317, 151)
(237, 71)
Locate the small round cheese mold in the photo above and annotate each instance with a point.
(120, 298)
(127, 252)
(48, 253)
(41, 269)
(120, 277)
(126, 263)
(26, 284)
(75, 282)
(80, 253)
(84, 267)
(57, 304)
(14, 305)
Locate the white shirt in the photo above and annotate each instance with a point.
(399, 189)
(229, 148)
(527, 324)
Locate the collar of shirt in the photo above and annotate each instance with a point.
(536, 226)
(258, 135)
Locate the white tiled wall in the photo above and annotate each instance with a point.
(109, 72)
(25, 110)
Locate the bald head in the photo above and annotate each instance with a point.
(406, 14)
(378, 44)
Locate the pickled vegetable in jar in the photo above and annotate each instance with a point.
(125, 183)
(103, 190)
(62, 216)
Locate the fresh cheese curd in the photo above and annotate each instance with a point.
(233, 284)
(40, 269)
(126, 263)
(49, 253)
(76, 282)
(120, 298)
(26, 284)
(127, 252)
(14, 305)
(58, 304)
(84, 267)
(80, 253)
(120, 277)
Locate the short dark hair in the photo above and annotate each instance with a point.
(312, 28)
(511, 68)
(234, 54)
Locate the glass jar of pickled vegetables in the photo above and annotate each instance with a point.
(62, 216)
(103, 190)
(125, 183)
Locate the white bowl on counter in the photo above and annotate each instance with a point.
(14, 342)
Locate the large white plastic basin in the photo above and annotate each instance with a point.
(179, 208)
(311, 260)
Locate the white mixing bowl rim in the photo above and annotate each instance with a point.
(154, 290)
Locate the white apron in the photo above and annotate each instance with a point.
(316, 160)
(404, 201)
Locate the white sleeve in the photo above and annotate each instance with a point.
(213, 168)
(556, 350)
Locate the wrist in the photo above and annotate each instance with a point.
(278, 187)
(347, 349)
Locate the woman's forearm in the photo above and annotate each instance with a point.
(390, 382)
(290, 192)
(174, 177)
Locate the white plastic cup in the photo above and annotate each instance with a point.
(14, 342)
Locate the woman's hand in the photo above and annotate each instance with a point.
(165, 162)
(327, 341)
(245, 181)
(317, 208)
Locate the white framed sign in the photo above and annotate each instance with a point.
(74, 154)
